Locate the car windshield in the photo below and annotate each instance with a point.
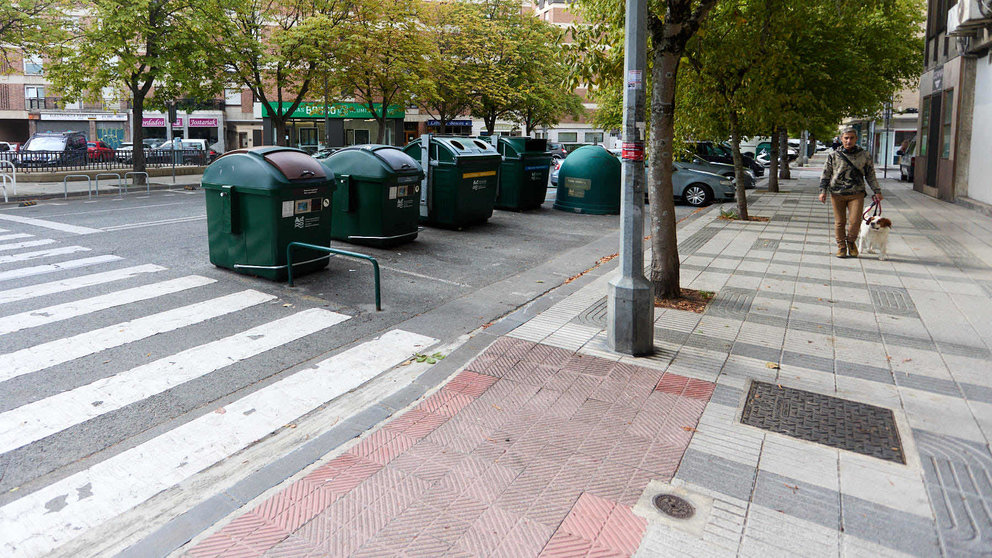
(46, 144)
(90, 144)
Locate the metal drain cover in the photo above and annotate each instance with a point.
(674, 506)
(831, 421)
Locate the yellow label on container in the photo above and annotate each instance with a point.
(478, 174)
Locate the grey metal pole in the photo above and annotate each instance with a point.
(630, 308)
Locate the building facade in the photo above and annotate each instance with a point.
(954, 137)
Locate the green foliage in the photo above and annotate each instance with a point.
(29, 25)
(429, 359)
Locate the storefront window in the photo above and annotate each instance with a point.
(946, 124)
(924, 127)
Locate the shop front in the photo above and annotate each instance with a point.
(311, 128)
(207, 126)
(106, 127)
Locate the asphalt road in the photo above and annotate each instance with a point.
(445, 284)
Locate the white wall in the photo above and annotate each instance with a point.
(980, 169)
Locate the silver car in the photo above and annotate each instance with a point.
(692, 161)
(698, 188)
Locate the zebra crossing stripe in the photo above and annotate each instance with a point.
(43, 289)
(48, 224)
(98, 494)
(26, 244)
(59, 312)
(40, 357)
(52, 268)
(16, 236)
(34, 421)
(42, 254)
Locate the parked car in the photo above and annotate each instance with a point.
(698, 188)
(183, 151)
(555, 167)
(557, 150)
(692, 161)
(51, 149)
(125, 153)
(99, 151)
(766, 147)
(720, 153)
(907, 160)
(8, 150)
(325, 152)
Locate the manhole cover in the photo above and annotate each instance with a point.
(831, 421)
(673, 506)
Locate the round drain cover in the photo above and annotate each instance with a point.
(673, 506)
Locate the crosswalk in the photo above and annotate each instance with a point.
(85, 337)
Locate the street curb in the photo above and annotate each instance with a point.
(112, 191)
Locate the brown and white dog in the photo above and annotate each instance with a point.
(874, 236)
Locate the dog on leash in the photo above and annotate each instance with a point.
(874, 236)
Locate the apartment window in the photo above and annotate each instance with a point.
(34, 97)
(946, 124)
(594, 137)
(568, 137)
(32, 65)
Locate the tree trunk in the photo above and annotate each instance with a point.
(138, 136)
(380, 136)
(279, 121)
(773, 156)
(664, 244)
(735, 144)
(783, 146)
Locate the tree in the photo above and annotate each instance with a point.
(28, 25)
(378, 62)
(451, 72)
(547, 97)
(138, 46)
(274, 48)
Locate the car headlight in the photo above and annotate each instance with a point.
(727, 183)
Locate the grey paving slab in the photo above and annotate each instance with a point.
(864, 372)
(888, 527)
(719, 474)
(798, 499)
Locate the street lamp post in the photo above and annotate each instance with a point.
(630, 311)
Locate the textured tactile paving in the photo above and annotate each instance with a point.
(918, 221)
(957, 473)
(835, 422)
(765, 244)
(698, 239)
(892, 300)
(594, 316)
(732, 301)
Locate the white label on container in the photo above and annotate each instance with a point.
(392, 192)
(287, 208)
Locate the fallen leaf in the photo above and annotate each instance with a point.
(539, 281)
(688, 429)
(221, 411)
(291, 425)
(287, 305)
(772, 365)
(793, 487)
(906, 359)
(497, 407)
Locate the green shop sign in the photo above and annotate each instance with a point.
(337, 110)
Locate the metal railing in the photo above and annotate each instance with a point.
(375, 264)
(89, 184)
(48, 161)
(5, 176)
(132, 174)
(120, 185)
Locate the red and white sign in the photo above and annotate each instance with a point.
(159, 122)
(632, 151)
(202, 122)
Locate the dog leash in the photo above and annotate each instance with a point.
(875, 209)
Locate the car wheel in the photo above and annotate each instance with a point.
(697, 195)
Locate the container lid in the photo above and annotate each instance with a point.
(264, 168)
(372, 162)
(518, 145)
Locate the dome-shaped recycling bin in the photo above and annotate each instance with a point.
(589, 182)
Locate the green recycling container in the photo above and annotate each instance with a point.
(258, 201)
(523, 178)
(589, 182)
(462, 179)
(377, 202)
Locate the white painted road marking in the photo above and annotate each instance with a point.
(25, 244)
(54, 515)
(32, 291)
(59, 312)
(34, 421)
(7, 237)
(48, 224)
(155, 223)
(42, 254)
(39, 357)
(52, 268)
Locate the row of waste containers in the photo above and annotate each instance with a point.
(259, 200)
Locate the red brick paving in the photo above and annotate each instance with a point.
(531, 451)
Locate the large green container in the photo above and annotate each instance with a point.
(462, 179)
(523, 177)
(589, 182)
(258, 201)
(377, 202)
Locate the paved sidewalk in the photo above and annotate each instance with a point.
(548, 444)
(27, 190)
